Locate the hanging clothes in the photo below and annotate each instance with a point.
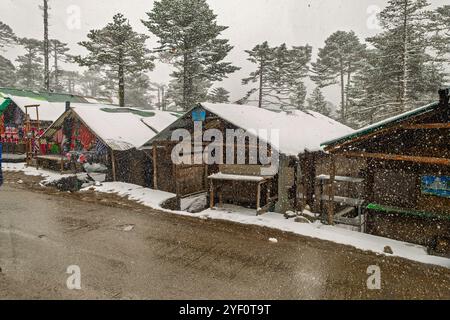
(86, 137)
(59, 136)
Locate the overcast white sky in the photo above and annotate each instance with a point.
(296, 22)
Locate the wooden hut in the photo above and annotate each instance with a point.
(406, 174)
(102, 140)
(24, 115)
(252, 183)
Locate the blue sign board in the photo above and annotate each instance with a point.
(198, 115)
(436, 186)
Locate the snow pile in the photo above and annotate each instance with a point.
(49, 176)
(147, 197)
(335, 234)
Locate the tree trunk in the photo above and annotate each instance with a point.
(121, 86)
(347, 89)
(261, 66)
(342, 92)
(29, 71)
(185, 90)
(56, 67)
(163, 98)
(46, 48)
(404, 84)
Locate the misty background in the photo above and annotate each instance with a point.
(294, 22)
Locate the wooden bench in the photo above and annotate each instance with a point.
(43, 160)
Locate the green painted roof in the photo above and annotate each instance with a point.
(383, 124)
(45, 96)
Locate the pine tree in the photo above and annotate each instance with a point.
(92, 81)
(262, 55)
(119, 48)
(337, 61)
(175, 91)
(317, 102)
(219, 95)
(8, 72)
(30, 69)
(7, 36)
(71, 81)
(279, 74)
(297, 71)
(161, 95)
(188, 31)
(439, 27)
(402, 47)
(59, 51)
(139, 91)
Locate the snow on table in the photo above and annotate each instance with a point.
(235, 177)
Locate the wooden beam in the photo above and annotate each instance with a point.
(155, 177)
(331, 191)
(397, 157)
(211, 194)
(258, 197)
(363, 137)
(113, 162)
(426, 126)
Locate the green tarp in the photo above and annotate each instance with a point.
(4, 105)
(414, 213)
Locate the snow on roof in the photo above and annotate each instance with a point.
(298, 131)
(48, 111)
(160, 120)
(121, 128)
(382, 124)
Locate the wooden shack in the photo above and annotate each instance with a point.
(25, 114)
(102, 140)
(406, 174)
(251, 182)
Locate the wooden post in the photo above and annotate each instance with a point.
(177, 187)
(113, 161)
(211, 194)
(221, 196)
(258, 197)
(369, 180)
(331, 191)
(155, 176)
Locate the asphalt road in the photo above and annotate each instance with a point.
(166, 256)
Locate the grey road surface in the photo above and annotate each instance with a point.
(165, 256)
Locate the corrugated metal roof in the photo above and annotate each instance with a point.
(383, 124)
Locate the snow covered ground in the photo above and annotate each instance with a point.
(49, 176)
(154, 199)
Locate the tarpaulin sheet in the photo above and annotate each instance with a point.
(4, 105)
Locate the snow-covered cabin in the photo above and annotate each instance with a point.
(103, 139)
(406, 173)
(233, 181)
(42, 109)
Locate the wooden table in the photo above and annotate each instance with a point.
(46, 159)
